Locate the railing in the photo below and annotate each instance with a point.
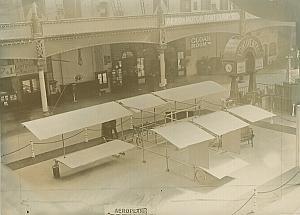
(76, 26)
(22, 30)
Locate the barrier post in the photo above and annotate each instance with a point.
(32, 149)
(195, 173)
(254, 201)
(154, 121)
(141, 136)
(63, 144)
(294, 110)
(167, 157)
(175, 107)
(122, 129)
(86, 137)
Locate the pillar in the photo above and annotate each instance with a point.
(289, 66)
(162, 63)
(298, 136)
(242, 24)
(41, 56)
(234, 88)
(252, 82)
(41, 63)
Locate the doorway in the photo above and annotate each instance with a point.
(30, 89)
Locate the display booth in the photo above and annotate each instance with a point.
(188, 136)
(243, 55)
(103, 80)
(185, 135)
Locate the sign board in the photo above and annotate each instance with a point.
(24, 67)
(200, 41)
(7, 71)
(249, 43)
(241, 67)
(171, 20)
(127, 210)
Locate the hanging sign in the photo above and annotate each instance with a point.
(259, 63)
(241, 67)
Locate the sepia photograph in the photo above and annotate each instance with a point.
(150, 107)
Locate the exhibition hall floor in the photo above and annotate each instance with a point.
(128, 182)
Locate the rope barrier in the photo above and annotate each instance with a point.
(4, 155)
(288, 120)
(244, 204)
(67, 138)
(147, 117)
(123, 122)
(89, 129)
(212, 103)
(270, 191)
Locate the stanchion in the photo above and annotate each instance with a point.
(254, 201)
(175, 107)
(154, 121)
(86, 136)
(32, 149)
(294, 110)
(141, 136)
(167, 157)
(63, 144)
(122, 129)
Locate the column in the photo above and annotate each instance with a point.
(163, 80)
(41, 64)
(289, 66)
(41, 56)
(242, 24)
(252, 82)
(234, 88)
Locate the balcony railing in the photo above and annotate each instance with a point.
(76, 26)
(90, 25)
